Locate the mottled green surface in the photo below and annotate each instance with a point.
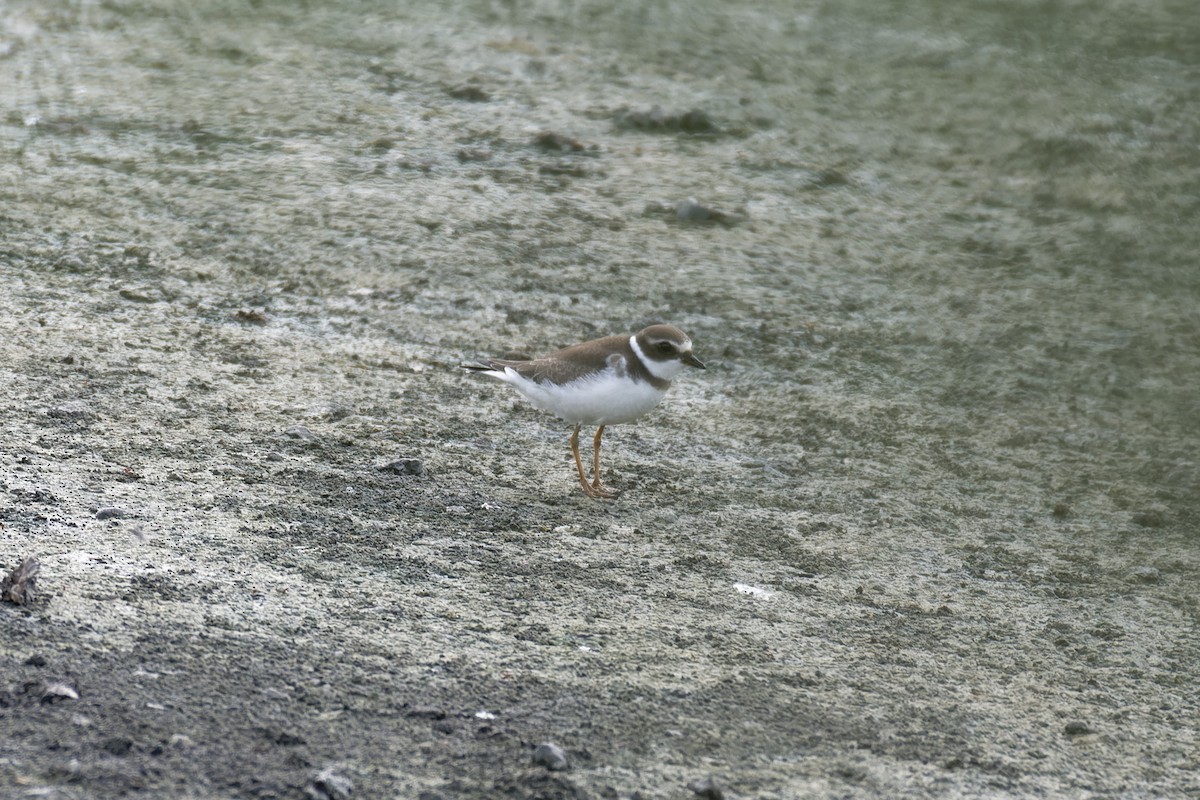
(949, 427)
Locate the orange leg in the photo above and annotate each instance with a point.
(600, 489)
(595, 488)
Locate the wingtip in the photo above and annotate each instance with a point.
(475, 366)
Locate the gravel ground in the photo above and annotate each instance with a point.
(927, 526)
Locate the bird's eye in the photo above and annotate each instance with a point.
(666, 347)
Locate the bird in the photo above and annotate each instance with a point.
(602, 382)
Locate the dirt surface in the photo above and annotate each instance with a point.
(928, 526)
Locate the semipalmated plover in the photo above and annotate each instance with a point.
(602, 382)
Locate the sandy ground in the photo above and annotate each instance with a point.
(928, 526)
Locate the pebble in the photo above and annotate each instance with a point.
(118, 745)
(20, 585)
(330, 411)
(404, 466)
(111, 512)
(138, 295)
(1151, 518)
(72, 409)
(251, 317)
(558, 142)
(707, 788)
(426, 712)
(550, 756)
(1145, 574)
(329, 784)
(59, 691)
(690, 212)
(1077, 728)
(693, 121)
(471, 92)
(300, 432)
(466, 154)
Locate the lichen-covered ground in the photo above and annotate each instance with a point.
(928, 526)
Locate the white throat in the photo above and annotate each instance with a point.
(663, 370)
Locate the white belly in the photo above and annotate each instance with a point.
(603, 400)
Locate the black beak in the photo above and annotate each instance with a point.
(691, 360)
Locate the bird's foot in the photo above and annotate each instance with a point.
(598, 490)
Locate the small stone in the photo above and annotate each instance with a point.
(426, 712)
(300, 432)
(466, 154)
(329, 784)
(707, 788)
(138, 295)
(72, 409)
(251, 317)
(111, 512)
(550, 756)
(549, 140)
(328, 411)
(1077, 728)
(38, 495)
(118, 745)
(694, 121)
(36, 661)
(691, 211)
(20, 586)
(54, 692)
(404, 466)
(470, 92)
(1154, 517)
(1145, 574)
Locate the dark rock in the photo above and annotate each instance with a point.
(404, 466)
(36, 661)
(300, 432)
(1077, 728)
(690, 212)
(251, 317)
(707, 788)
(1151, 518)
(282, 738)
(330, 411)
(139, 295)
(111, 512)
(1145, 574)
(118, 745)
(38, 495)
(54, 692)
(549, 140)
(329, 784)
(20, 586)
(72, 409)
(696, 121)
(655, 119)
(550, 756)
(426, 712)
(466, 154)
(470, 92)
